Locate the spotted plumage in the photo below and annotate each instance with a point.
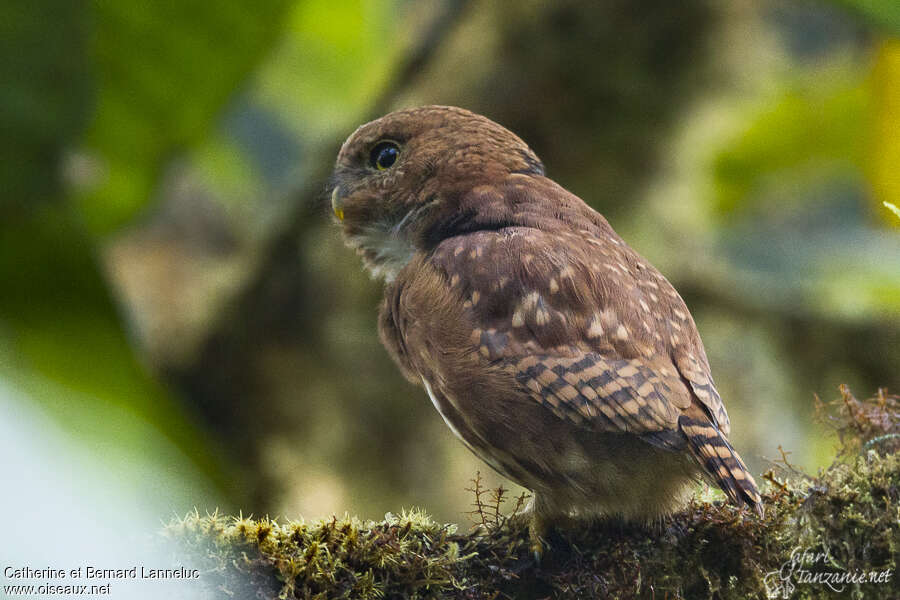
(550, 348)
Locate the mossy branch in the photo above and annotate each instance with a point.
(846, 518)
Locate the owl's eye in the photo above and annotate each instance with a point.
(384, 155)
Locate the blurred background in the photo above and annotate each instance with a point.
(180, 318)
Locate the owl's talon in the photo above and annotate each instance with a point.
(538, 545)
(537, 535)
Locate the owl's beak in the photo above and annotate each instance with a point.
(336, 203)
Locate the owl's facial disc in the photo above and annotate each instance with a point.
(375, 221)
(375, 197)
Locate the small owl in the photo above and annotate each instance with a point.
(555, 352)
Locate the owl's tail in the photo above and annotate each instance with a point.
(721, 462)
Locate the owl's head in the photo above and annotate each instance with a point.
(399, 180)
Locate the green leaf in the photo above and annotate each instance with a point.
(44, 97)
(164, 72)
(881, 13)
(807, 134)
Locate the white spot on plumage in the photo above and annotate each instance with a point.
(595, 329)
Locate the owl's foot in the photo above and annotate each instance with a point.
(544, 526)
(543, 529)
(538, 528)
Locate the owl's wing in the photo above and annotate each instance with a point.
(560, 287)
(607, 394)
(591, 330)
(630, 396)
(575, 334)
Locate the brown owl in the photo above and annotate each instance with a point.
(554, 351)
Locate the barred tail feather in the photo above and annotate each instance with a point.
(721, 462)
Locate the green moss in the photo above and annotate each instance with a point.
(848, 514)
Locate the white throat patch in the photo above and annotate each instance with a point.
(391, 247)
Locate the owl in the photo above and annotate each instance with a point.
(550, 348)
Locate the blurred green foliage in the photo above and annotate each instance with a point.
(44, 98)
(788, 145)
(834, 131)
(158, 73)
(89, 122)
(882, 13)
(885, 149)
(837, 122)
(163, 72)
